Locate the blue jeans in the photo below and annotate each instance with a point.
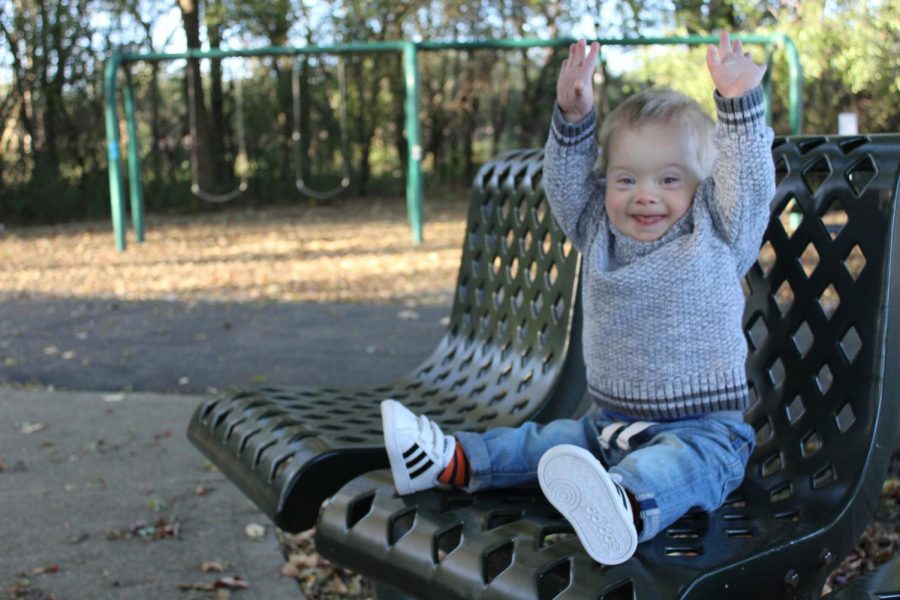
(669, 466)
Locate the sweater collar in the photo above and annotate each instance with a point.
(626, 250)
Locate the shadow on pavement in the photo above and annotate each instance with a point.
(193, 347)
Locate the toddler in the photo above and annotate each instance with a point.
(666, 234)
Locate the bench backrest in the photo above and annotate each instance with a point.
(507, 346)
(816, 316)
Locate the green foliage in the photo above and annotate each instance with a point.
(473, 104)
(850, 52)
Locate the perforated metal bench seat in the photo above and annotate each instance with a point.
(823, 328)
(506, 357)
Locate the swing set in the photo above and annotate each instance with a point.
(241, 141)
(409, 50)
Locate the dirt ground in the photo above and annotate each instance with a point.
(356, 250)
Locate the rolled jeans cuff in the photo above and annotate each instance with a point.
(476, 452)
(649, 510)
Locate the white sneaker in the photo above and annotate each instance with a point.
(416, 447)
(575, 482)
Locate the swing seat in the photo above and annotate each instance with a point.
(297, 137)
(824, 339)
(196, 189)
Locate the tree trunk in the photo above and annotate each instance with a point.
(284, 93)
(155, 129)
(219, 128)
(500, 113)
(190, 16)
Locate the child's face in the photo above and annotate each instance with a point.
(651, 177)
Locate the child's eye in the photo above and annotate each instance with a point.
(671, 179)
(625, 180)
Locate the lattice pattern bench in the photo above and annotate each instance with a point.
(506, 357)
(824, 335)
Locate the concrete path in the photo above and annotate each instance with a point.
(102, 496)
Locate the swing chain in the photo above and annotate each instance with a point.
(297, 140)
(210, 197)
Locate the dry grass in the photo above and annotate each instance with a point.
(350, 250)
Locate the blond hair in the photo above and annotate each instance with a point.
(662, 106)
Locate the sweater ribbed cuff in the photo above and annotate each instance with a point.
(743, 114)
(571, 134)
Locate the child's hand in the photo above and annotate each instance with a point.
(574, 90)
(733, 71)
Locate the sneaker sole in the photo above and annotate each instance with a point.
(583, 492)
(395, 453)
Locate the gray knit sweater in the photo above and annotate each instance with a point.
(662, 327)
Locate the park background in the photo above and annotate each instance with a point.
(53, 165)
(204, 301)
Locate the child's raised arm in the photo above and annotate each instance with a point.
(574, 91)
(743, 172)
(572, 187)
(732, 70)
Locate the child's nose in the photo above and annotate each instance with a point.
(646, 194)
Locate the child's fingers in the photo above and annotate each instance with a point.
(724, 45)
(591, 59)
(712, 56)
(579, 53)
(737, 47)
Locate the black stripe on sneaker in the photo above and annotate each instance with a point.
(409, 452)
(413, 460)
(622, 495)
(424, 467)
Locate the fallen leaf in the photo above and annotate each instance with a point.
(28, 428)
(212, 566)
(235, 582)
(255, 531)
(51, 568)
(199, 587)
(307, 560)
(160, 529)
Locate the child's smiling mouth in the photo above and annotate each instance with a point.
(647, 220)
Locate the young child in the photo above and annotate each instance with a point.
(665, 238)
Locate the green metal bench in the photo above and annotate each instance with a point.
(506, 357)
(823, 331)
